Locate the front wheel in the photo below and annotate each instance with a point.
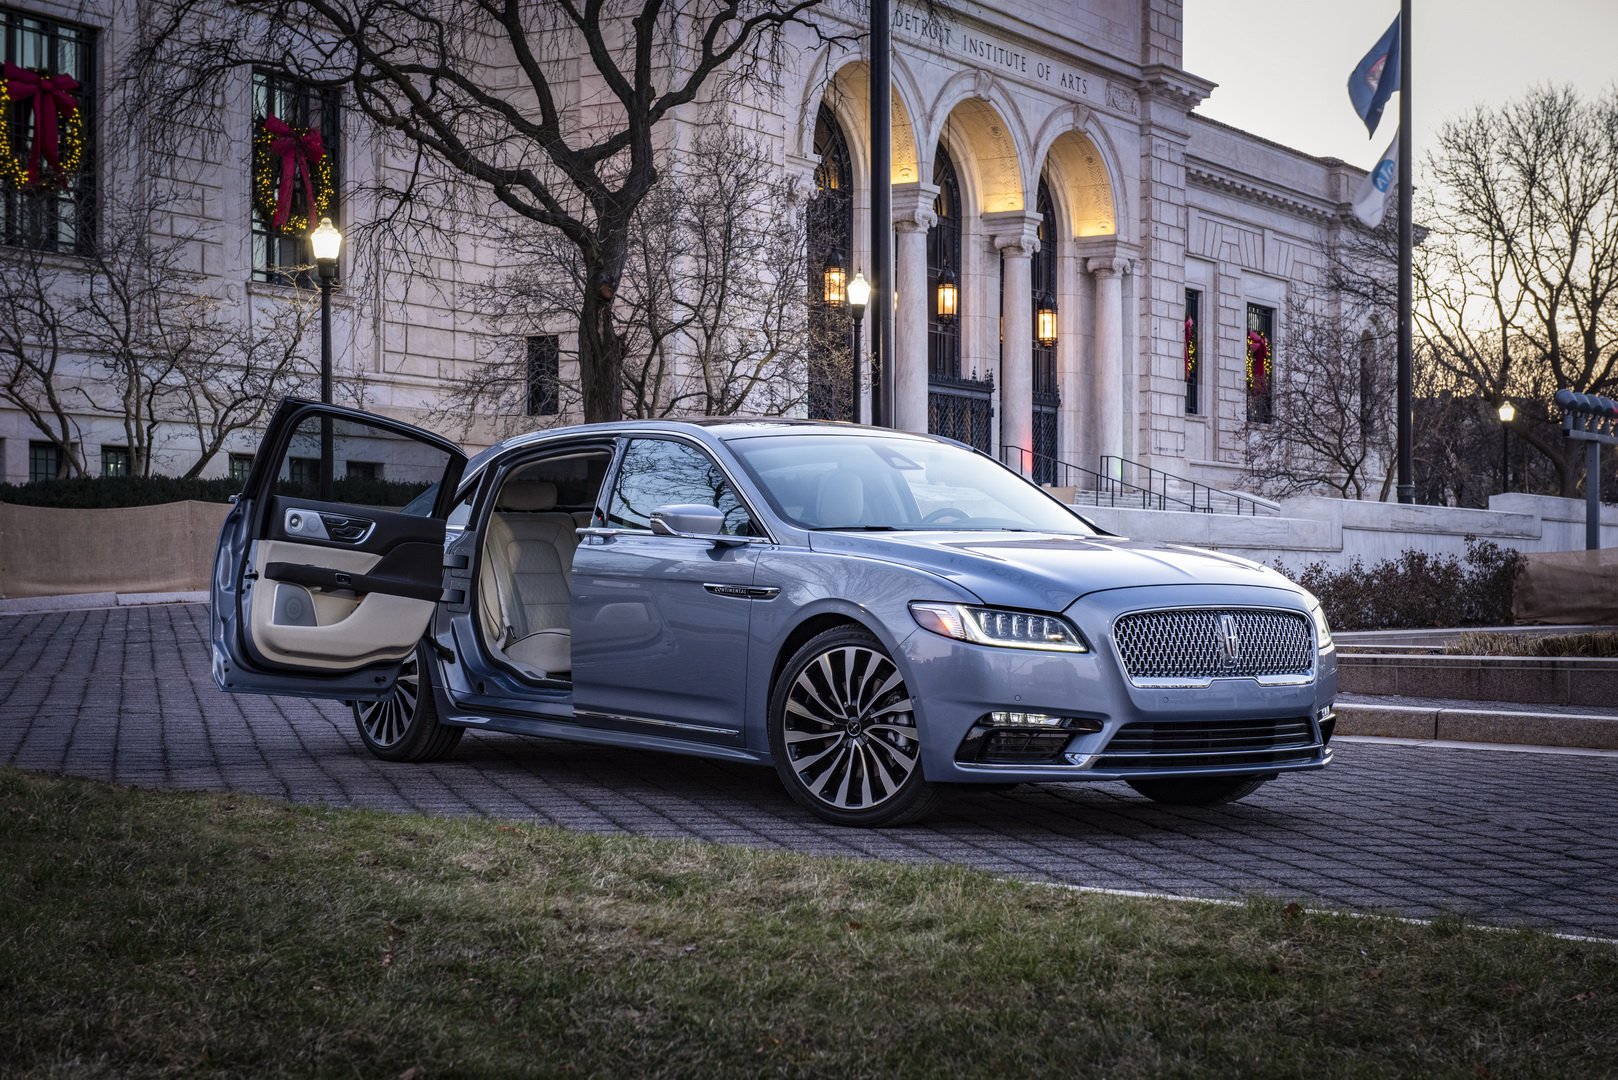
(843, 733)
(1209, 791)
(403, 726)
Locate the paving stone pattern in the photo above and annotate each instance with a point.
(1509, 838)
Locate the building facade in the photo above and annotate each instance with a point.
(1086, 272)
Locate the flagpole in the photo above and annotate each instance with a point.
(1407, 481)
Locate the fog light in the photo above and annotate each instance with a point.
(1024, 719)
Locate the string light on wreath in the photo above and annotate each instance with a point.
(58, 126)
(286, 158)
(1190, 347)
(1258, 363)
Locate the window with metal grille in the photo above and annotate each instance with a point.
(281, 252)
(44, 461)
(544, 372)
(830, 223)
(115, 461)
(944, 254)
(1193, 351)
(1260, 363)
(45, 204)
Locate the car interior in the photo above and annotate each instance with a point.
(528, 543)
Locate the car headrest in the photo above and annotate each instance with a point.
(527, 496)
(841, 498)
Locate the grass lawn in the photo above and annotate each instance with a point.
(157, 932)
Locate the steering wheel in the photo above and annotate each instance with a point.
(945, 513)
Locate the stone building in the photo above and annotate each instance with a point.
(1113, 256)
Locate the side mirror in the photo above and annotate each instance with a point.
(692, 521)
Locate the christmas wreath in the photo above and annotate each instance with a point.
(1190, 348)
(1258, 364)
(284, 158)
(58, 125)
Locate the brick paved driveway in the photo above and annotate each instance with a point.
(124, 695)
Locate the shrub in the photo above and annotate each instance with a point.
(1418, 590)
(99, 492)
(1596, 643)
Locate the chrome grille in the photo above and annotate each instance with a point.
(1155, 745)
(1191, 643)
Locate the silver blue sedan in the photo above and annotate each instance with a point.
(878, 615)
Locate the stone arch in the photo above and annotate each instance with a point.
(1082, 175)
(844, 92)
(986, 145)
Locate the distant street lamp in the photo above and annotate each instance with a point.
(859, 294)
(326, 243)
(1508, 413)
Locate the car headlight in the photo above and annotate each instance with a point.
(1322, 629)
(998, 626)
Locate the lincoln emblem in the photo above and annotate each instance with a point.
(1230, 641)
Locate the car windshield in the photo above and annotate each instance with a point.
(874, 482)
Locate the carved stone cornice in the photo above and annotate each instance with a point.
(1211, 177)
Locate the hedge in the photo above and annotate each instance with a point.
(1418, 590)
(101, 492)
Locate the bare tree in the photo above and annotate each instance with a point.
(35, 363)
(713, 319)
(1515, 282)
(550, 106)
(1332, 424)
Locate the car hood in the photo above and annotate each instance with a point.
(1049, 571)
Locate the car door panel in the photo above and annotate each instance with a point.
(320, 597)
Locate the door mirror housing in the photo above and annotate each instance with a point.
(692, 521)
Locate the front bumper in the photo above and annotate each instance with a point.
(1114, 730)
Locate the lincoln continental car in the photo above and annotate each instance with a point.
(880, 616)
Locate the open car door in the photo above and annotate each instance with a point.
(330, 565)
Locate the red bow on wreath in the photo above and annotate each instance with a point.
(1258, 363)
(52, 98)
(298, 154)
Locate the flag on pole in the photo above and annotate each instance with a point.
(1376, 78)
(1371, 197)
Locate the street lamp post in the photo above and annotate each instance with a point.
(327, 243)
(1508, 413)
(859, 294)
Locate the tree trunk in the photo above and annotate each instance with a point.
(601, 355)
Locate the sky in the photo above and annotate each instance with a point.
(1282, 65)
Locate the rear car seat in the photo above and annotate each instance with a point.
(523, 584)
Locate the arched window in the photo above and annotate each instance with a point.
(830, 222)
(1367, 381)
(944, 255)
(1047, 397)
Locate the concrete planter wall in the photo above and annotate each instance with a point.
(1559, 680)
(45, 551)
(1338, 531)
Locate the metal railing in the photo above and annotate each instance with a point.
(961, 409)
(1194, 493)
(1110, 488)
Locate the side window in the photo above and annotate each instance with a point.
(395, 472)
(659, 472)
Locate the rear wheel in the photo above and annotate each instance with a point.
(843, 733)
(1209, 791)
(403, 726)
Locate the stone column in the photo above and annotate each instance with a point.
(1109, 353)
(1016, 234)
(913, 215)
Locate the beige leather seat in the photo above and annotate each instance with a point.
(523, 585)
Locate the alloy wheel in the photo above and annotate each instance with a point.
(849, 728)
(387, 720)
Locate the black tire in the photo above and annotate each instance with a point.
(1210, 791)
(404, 725)
(850, 762)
